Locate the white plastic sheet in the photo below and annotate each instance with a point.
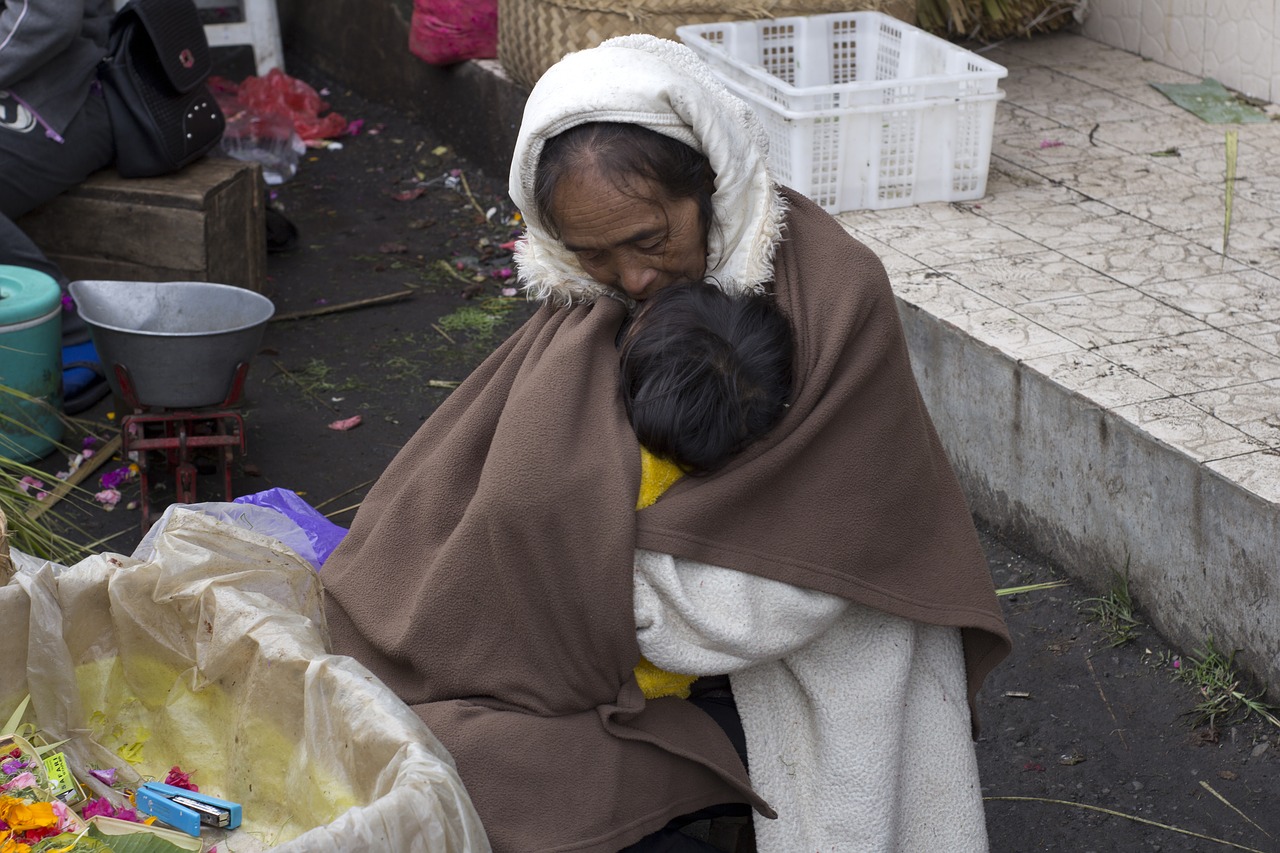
(206, 650)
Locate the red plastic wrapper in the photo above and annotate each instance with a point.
(443, 32)
(278, 94)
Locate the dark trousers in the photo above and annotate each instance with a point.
(713, 696)
(35, 169)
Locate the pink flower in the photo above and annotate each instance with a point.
(509, 291)
(25, 779)
(66, 820)
(178, 779)
(99, 807)
(108, 498)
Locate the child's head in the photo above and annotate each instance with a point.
(704, 373)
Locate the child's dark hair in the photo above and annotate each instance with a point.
(705, 373)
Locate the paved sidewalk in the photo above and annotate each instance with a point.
(1105, 376)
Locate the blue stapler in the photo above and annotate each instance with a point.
(186, 810)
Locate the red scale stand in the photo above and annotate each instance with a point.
(178, 433)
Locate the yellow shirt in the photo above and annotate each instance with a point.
(656, 476)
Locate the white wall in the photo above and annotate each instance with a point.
(1236, 42)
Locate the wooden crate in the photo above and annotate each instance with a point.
(205, 223)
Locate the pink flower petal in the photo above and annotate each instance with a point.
(108, 775)
(108, 498)
(409, 195)
(24, 779)
(346, 423)
(94, 808)
(178, 779)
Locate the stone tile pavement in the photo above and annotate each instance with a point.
(1097, 255)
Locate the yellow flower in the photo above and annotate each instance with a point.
(8, 845)
(22, 816)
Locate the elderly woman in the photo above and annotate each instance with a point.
(500, 580)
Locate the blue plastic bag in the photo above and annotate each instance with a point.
(321, 533)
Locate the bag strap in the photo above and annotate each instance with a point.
(174, 28)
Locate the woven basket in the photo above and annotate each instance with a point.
(534, 34)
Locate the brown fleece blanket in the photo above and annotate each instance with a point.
(487, 578)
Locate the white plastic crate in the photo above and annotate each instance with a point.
(863, 111)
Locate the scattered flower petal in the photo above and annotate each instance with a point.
(409, 195)
(509, 291)
(346, 423)
(107, 776)
(1050, 143)
(118, 477)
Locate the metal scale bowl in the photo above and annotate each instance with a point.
(177, 353)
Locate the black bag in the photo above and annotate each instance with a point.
(162, 113)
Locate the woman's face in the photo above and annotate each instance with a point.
(630, 237)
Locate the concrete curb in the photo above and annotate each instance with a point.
(1095, 494)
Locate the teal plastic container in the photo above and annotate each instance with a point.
(30, 364)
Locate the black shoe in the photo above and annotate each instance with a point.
(282, 235)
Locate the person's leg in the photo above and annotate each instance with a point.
(669, 840)
(35, 169)
(714, 696)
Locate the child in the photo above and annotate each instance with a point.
(703, 375)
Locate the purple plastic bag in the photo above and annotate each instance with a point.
(322, 533)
